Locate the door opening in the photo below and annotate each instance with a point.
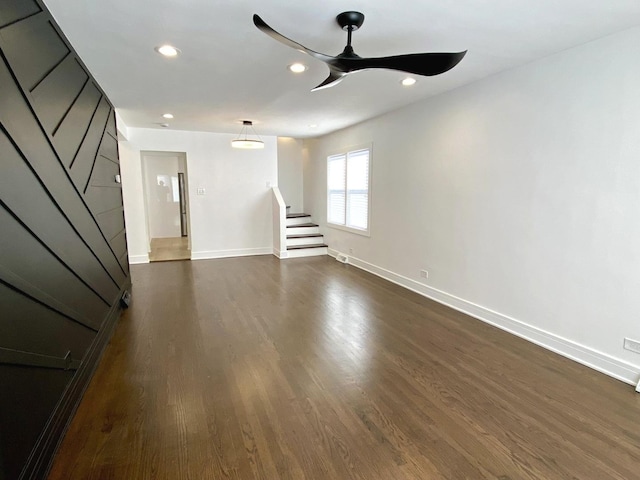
(166, 205)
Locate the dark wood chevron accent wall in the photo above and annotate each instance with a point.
(63, 254)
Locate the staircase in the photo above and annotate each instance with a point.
(303, 237)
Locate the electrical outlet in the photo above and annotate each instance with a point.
(424, 274)
(351, 250)
(632, 345)
(201, 191)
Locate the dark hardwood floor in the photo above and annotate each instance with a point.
(255, 368)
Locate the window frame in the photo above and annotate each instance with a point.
(345, 152)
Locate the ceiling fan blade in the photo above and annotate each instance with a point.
(334, 78)
(426, 64)
(262, 25)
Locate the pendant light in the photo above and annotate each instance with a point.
(243, 141)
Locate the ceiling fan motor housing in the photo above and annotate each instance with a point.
(350, 19)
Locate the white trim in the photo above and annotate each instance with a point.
(599, 361)
(279, 215)
(136, 259)
(344, 228)
(121, 128)
(243, 252)
(280, 253)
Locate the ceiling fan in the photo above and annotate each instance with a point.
(426, 64)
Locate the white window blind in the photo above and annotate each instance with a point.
(358, 189)
(337, 182)
(348, 189)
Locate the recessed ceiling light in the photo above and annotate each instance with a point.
(167, 50)
(313, 125)
(167, 115)
(407, 82)
(164, 125)
(297, 67)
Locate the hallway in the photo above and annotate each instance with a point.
(251, 367)
(167, 249)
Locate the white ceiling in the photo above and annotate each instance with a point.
(229, 71)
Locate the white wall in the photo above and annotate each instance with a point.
(233, 217)
(290, 157)
(133, 199)
(520, 194)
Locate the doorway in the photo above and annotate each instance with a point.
(167, 205)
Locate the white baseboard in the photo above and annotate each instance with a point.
(135, 259)
(243, 252)
(599, 361)
(280, 253)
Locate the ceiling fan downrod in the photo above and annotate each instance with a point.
(349, 21)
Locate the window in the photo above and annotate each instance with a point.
(348, 190)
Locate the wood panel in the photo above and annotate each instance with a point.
(109, 146)
(252, 368)
(111, 125)
(70, 134)
(102, 200)
(24, 130)
(25, 256)
(33, 48)
(25, 196)
(119, 243)
(37, 391)
(63, 262)
(33, 326)
(56, 94)
(11, 12)
(112, 222)
(104, 173)
(82, 164)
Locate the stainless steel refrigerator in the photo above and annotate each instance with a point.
(183, 205)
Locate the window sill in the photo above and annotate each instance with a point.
(364, 233)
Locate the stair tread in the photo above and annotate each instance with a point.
(304, 235)
(297, 215)
(313, 245)
(302, 225)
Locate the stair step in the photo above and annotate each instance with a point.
(304, 235)
(303, 239)
(297, 215)
(312, 245)
(290, 221)
(302, 225)
(307, 252)
(307, 229)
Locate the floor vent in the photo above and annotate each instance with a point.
(342, 258)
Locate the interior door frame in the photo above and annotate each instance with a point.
(182, 157)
